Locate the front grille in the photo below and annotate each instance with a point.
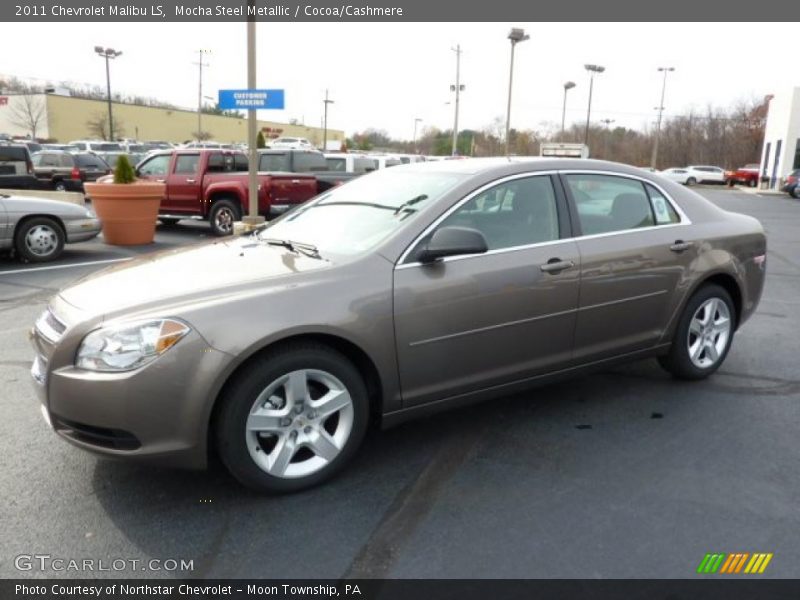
(103, 437)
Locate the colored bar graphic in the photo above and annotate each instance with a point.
(734, 563)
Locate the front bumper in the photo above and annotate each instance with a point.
(80, 230)
(158, 413)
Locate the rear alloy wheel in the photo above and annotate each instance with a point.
(223, 214)
(60, 186)
(292, 419)
(39, 239)
(703, 336)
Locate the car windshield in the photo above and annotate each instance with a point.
(355, 217)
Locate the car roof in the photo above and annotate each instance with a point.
(511, 164)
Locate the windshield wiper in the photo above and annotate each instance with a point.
(307, 249)
(406, 206)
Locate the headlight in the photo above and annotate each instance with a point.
(90, 214)
(129, 346)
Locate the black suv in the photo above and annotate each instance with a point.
(16, 168)
(67, 171)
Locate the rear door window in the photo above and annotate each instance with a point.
(607, 203)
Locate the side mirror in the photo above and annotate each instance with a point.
(453, 241)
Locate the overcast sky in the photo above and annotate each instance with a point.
(385, 75)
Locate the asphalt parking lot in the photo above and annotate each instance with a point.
(622, 474)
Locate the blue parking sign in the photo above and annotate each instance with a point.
(251, 99)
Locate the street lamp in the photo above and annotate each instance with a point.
(326, 101)
(108, 54)
(567, 87)
(607, 123)
(417, 121)
(200, 64)
(660, 109)
(592, 70)
(516, 36)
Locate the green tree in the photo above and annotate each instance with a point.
(123, 172)
(260, 141)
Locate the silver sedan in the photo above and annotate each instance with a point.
(37, 228)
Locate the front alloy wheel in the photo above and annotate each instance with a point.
(299, 424)
(291, 418)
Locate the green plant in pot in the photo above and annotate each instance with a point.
(127, 207)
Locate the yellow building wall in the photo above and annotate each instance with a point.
(68, 118)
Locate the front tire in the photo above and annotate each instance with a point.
(223, 214)
(703, 336)
(292, 418)
(59, 186)
(39, 239)
(795, 193)
(691, 181)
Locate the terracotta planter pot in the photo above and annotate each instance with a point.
(127, 211)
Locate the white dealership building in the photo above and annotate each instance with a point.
(781, 152)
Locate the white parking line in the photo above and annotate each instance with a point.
(83, 264)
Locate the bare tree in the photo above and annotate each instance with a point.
(98, 126)
(29, 113)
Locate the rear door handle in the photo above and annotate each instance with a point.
(160, 180)
(556, 265)
(680, 246)
(191, 181)
(295, 181)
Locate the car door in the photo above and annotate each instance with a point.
(636, 250)
(6, 227)
(184, 185)
(466, 323)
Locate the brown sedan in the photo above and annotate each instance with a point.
(406, 291)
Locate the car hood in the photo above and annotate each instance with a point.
(219, 268)
(28, 204)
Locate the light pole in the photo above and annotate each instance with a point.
(457, 88)
(660, 109)
(516, 36)
(108, 54)
(417, 121)
(200, 64)
(326, 101)
(592, 70)
(607, 123)
(567, 87)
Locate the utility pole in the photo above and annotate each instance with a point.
(200, 64)
(252, 218)
(660, 109)
(457, 88)
(567, 87)
(416, 122)
(326, 101)
(592, 69)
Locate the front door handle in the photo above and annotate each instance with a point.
(191, 181)
(680, 246)
(160, 180)
(556, 265)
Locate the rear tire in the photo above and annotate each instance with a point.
(39, 239)
(59, 186)
(703, 336)
(751, 183)
(691, 181)
(292, 418)
(223, 214)
(795, 193)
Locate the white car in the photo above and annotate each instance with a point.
(291, 142)
(705, 174)
(349, 163)
(695, 174)
(383, 161)
(678, 175)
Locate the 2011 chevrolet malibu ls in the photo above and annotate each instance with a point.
(405, 291)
